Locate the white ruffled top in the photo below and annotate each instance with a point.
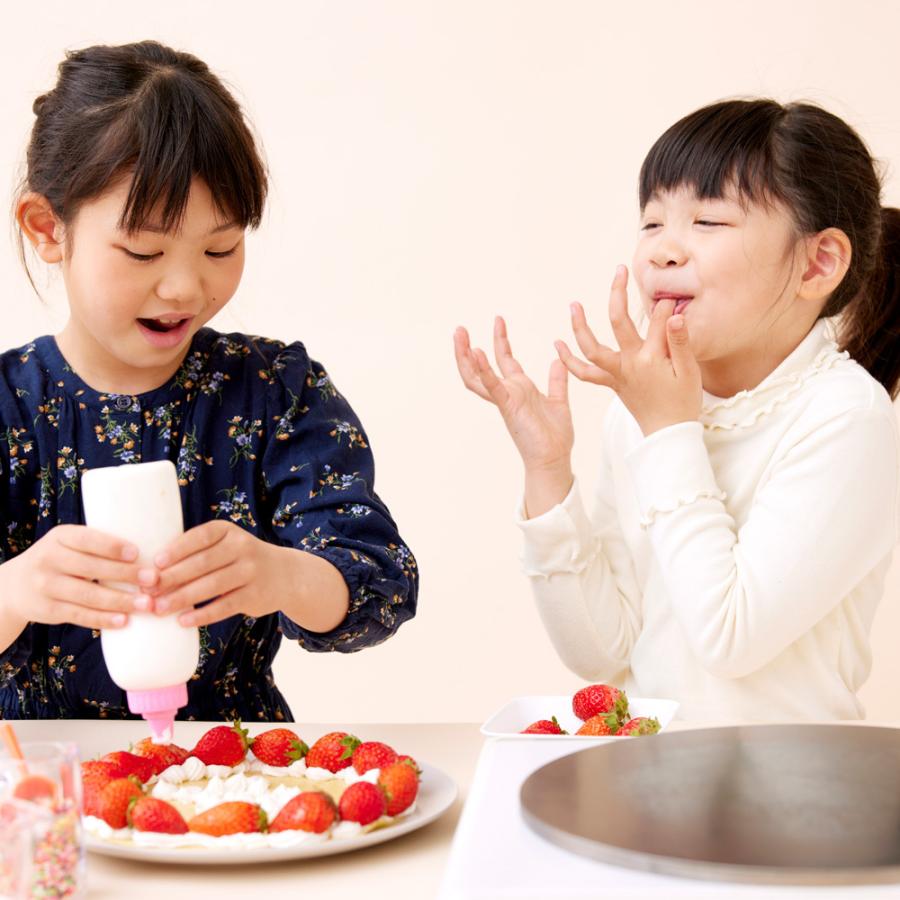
(734, 563)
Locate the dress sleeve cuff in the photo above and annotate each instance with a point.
(559, 540)
(671, 469)
(377, 606)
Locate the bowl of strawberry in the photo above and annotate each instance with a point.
(595, 712)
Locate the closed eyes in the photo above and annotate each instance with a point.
(144, 257)
(650, 225)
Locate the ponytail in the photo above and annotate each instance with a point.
(870, 327)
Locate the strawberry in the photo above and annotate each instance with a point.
(98, 766)
(92, 785)
(640, 725)
(332, 751)
(233, 817)
(224, 745)
(405, 757)
(594, 699)
(600, 725)
(126, 764)
(115, 799)
(161, 755)
(362, 802)
(310, 811)
(544, 726)
(400, 783)
(150, 814)
(373, 755)
(278, 747)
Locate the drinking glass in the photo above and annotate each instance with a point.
(40, 795)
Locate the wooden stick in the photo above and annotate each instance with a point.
(12, 745)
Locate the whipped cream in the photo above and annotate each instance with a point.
(193, 769)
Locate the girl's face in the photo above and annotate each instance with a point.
(736, 268)
(136, 301)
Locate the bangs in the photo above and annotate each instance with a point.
(726, 146)
(172, 132)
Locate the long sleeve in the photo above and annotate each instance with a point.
(583, 579)
(824, 518)
(319, 474)
(13, 657)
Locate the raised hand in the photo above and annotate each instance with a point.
(539, 424)
(658, 379)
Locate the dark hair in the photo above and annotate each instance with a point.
(151, 112)
(819, 168)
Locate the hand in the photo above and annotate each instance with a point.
(540, 424)
(222, 560)
(658, 379)
(53, 580)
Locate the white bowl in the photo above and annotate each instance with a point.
(520, 712)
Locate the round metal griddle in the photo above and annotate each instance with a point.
(775, 804)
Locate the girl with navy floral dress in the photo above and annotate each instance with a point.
(142, 178)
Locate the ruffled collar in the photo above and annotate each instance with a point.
(817, 352)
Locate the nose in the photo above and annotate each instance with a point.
(669, 251)
(182, 285)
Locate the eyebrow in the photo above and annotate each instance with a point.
(157, 229)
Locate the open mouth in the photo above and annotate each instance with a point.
(162, 325)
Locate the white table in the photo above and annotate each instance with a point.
(495, 854)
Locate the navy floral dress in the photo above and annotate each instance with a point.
(260, 436)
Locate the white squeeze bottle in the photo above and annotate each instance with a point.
(152, 657)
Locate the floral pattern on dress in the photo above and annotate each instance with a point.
(261, 437)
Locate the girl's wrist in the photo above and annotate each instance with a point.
(312, 592)
(546, 487)
(11, 624)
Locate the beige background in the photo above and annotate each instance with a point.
(434, 164)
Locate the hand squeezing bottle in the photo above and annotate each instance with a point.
(152, 657)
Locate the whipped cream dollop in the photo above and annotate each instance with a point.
(193, 769)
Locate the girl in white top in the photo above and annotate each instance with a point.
(747, 501)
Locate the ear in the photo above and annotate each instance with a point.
(41, 226)
(826, 262)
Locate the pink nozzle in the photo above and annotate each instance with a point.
(159, 707)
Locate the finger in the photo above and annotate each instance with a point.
(84, 565)
(213, 584)
(465, 362)
(623, 328)
(60, 612)
(656, 333)
(97, 543)
(85, 593)
(221, 554)
(506, 362)
(497, 393)
(201, 537)
(558, 383)
(597, 353)
(682, 354)
(581, 370)
(222, 608)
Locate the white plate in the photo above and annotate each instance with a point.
(520, 712)
(437, 791)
